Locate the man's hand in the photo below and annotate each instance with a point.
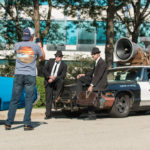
(90, 89)
(52, 77)
(50, 81)
(42, 50)
(80, 75)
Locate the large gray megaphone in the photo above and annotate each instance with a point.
(125, 49)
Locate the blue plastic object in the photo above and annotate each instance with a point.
(6, 85)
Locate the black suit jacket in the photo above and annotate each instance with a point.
(48, 68)
(99, 76)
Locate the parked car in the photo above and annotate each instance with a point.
(6, 85)
(128, 90)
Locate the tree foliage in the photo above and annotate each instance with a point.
(79, 65)
(7, 70)
(17, 12)
(90, 10)
(134, 15)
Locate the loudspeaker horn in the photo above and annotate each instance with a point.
(125, 49)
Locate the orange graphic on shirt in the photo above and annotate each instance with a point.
(25, 54)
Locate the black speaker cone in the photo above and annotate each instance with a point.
(124, 49)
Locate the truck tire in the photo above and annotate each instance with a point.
(121, 106)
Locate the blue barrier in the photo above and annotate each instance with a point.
(6, 85)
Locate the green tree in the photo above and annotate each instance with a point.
(113, 7)
(135, 13)
(16, 12)
(19, 14)
(90, 9)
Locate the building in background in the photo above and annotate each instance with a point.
(74, 36)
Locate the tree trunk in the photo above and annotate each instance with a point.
(36, 18)
(109, 48)
(135, 35)
(38, 33)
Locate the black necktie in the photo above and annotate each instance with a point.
(55, 67)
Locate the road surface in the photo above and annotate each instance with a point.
(62, 133)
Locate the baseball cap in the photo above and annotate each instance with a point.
(27, 34)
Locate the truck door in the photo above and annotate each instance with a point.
(145, 88)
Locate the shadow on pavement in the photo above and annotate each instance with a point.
(100, 115)
(61, 115)
(75, 115)
(21, 125)
(139, 113)
(58, 115)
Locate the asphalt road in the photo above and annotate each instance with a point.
(61, 133)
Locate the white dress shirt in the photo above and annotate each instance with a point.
(97, 60)
(56, 71)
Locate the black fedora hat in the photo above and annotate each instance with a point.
(95, 50)
(59, 53)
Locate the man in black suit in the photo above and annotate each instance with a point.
(54, 73)
(96, 80)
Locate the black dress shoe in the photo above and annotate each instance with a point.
(90, 118)
(28, 127)
(7, 127)
(47, 117)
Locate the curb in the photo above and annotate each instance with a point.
(37, 113)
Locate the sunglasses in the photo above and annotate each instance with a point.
(58, 56)
(94, 54)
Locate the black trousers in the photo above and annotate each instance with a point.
(82, 84)
(56, 87)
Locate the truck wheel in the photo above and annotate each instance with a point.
(121, 106)
(71, 114)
